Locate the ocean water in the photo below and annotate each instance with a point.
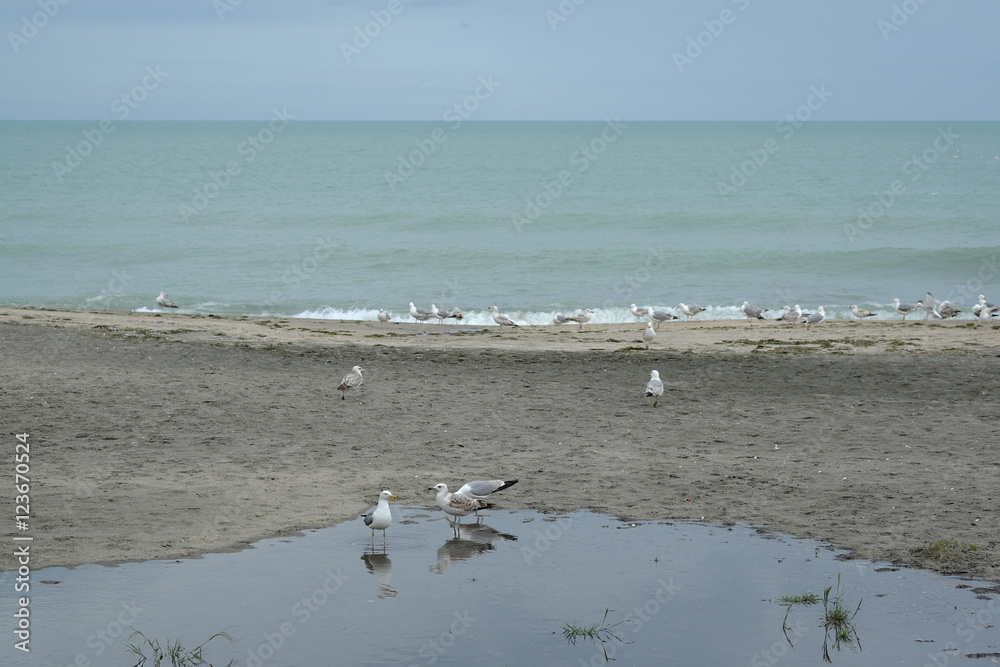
(338, 219)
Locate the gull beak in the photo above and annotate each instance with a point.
(394, 497)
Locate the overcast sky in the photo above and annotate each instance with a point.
(525, 59)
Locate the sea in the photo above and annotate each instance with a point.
(289, 218)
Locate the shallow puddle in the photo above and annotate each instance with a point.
(501, 592)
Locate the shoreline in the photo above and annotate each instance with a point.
(161, 436)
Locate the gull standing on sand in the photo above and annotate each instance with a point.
(983, 303)
(654, 388)
(417, 314)
(380, 518)
(660, 316)
(383, 316)
(639, 312)
(457, 313)
(861, 313)
(903, 309)
(649, 334)
(791, 314)
(752, 312)
(946, 310)
(582, 318)
(456, 504)
(929, 304)
(163, 302)
(501, 319)
(690, 311)
(352, 380)
(441, 315)
(816, 318)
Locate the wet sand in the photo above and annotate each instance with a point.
(167, 436)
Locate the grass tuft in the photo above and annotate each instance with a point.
(173, 654)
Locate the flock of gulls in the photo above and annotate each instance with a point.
(984, 310)
(469, 499)
(472, 496)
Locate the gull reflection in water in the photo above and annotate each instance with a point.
(469, 540)
(381, 568)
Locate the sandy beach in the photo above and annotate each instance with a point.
(159, 436)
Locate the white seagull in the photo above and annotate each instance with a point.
(383, 316)
(946, 310)
(456, 504)
(649, 334)
(457, 313)
(751, 312)
(582, 318)
(417, 314)
(163, 302)
(861, 313)
(816, 318)
(903, 309)
(654, 388)
(639, 312)
(481, 488)
(501, 319)
(379, 518)
(660, 316)
(690, 311)
(352, 380)
(441, 315)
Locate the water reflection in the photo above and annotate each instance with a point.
(468, 540)
(380, 566)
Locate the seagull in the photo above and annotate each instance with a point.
(861, 313)
(751, 311)
(929, 304)
(456, 504)
(440, 314)
(383, 316)
(986, 317)
(816, 318)
(417, 314)
(690, 311)
(352, 380)
(660, 316)
(457, 313)
(903, 309)
(983, 302)
(163, 302)
(639, 312)
(379, 518)
(648, 335)
(582, 318)
(479, 489)
(654, 387)
(791, 314)
(946, 310)
(501, 319)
